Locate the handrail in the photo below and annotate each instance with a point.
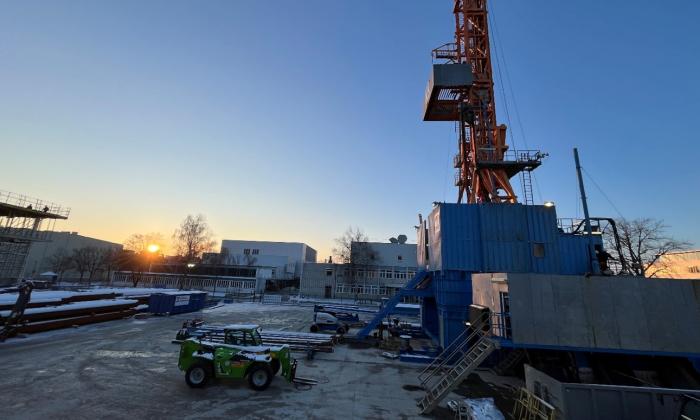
(21, 200)
(439, 362)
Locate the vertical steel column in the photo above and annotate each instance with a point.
(595, 267)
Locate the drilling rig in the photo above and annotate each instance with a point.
(460, 89)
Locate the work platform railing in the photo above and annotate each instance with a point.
(27, 202)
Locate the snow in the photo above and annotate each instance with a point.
(240, 326)
(39, 296)
(75, 306)
(408, 305)
(209, 356)
(477, 408)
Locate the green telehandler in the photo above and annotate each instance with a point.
(241, 355)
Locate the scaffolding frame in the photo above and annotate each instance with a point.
(23, 220)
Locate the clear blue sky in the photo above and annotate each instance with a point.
(290, 120)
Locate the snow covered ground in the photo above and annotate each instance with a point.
(127, 369)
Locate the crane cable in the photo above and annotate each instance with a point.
(501, 56)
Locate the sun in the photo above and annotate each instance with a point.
(153, 248)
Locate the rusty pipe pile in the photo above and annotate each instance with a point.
(74, 309)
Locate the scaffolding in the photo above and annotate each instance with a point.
(23, 220)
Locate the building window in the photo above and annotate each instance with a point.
(400, 258)
(694, 269)
(329, 272)
(246, 251)
(256, 251)
(538, 250)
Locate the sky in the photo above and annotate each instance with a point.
(292, 120)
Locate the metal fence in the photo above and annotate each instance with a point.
(215, 285)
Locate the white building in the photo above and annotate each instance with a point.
(286, 258)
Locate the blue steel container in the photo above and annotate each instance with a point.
(452, 324)
(575, 254)
(176, 302)
(503, 238)
(453, 288)
(429, 318)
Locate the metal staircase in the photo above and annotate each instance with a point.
(408, 290)
(458, 360)
(514, 357)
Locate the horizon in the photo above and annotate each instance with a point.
(136, 115)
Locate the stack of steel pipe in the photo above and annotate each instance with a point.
(79, 312)
(297, 341)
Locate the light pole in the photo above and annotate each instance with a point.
(187, 270)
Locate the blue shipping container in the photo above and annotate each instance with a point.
(509, 238)
(176, 302)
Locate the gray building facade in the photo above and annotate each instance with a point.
(64, 243)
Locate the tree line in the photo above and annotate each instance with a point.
(190, 240)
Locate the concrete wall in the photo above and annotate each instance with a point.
(617, 313)
(65, 242)
(317, 276)
(602, 402)
(279, 254)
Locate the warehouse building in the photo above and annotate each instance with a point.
(63, 244)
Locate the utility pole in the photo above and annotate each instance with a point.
(595, 267)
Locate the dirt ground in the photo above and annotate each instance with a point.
(128, 369)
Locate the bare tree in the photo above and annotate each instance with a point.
(353, 248)
(139, 242)
(128, 260)
(343, 248)
(60, 262)
(109, 260)
(82, 260)
(193, 237)
(643, 242)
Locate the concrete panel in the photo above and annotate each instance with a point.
(599, 296)
(632, 319)
(523, 324)
(575, 401)
(572, 320)
(616, 313)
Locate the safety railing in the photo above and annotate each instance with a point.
(21, 200)
(445, 52)
(492, 154)
(500, 325)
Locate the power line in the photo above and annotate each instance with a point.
(502, 57)
(602, 192)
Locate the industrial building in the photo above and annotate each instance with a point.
(376, 270)
(677, 265)
(60, 243)
(23, 221)
(217, 280)
(286, 258)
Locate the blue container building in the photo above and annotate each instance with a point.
(458, 240)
